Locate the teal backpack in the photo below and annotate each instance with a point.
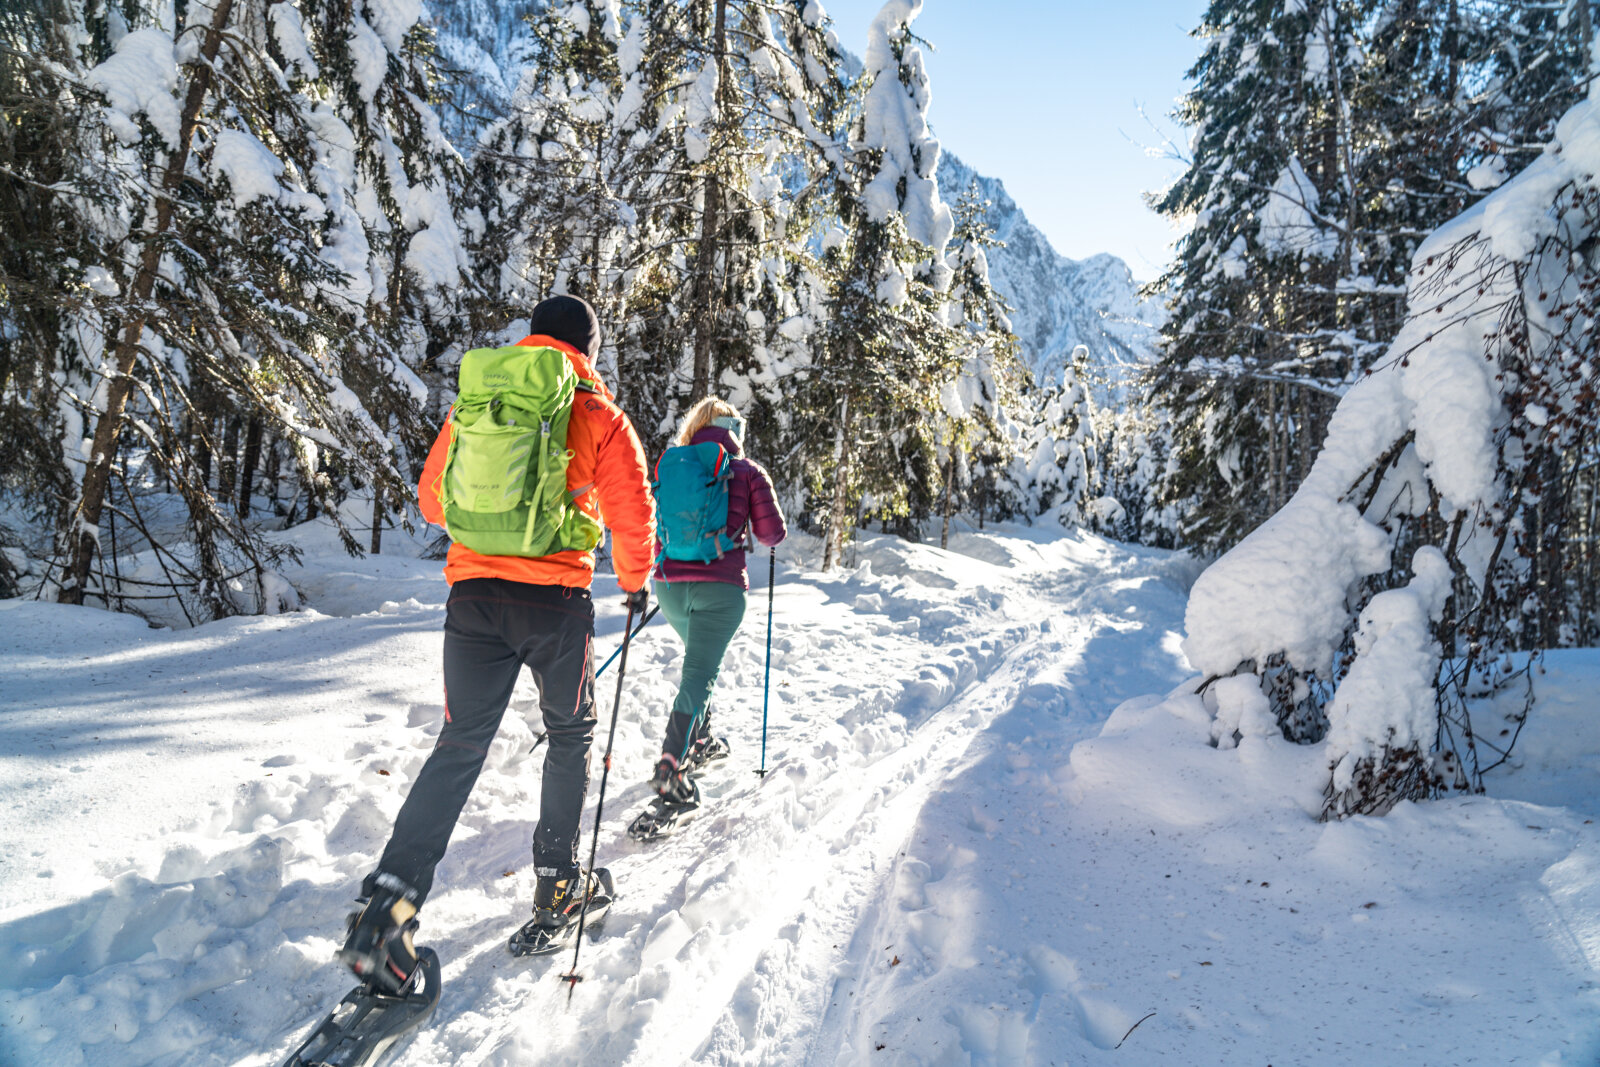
(504, 486)
(691, 489)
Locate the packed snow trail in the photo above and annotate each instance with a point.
(879, 694)
(955, 858)
(261, 761)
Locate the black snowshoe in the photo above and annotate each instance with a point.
(368, 1024)
(556, 911)
(676, 805)
(707, 750)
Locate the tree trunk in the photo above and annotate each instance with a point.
(1452, 47)
(377, 520)
(1291, 431)
(1553, 564)
(228, 470)
(200, 440)
(1305, 439)
(706, 315)
(252, 460)
(311, 493)
(833, 547)
(274, 468)
(949, 497)
(84, 533)
(1272, 447)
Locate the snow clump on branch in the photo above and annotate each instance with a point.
(896, 121)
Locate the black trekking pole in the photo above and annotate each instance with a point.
(766, 686)
(572, 978)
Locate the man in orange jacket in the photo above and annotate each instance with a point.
(504, 612)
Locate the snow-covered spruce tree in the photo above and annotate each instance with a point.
(1134, 448)
(976, 435)
(50, 190)
(975, 432)
(1524, 65)
(888, 351)
(757, 114)
(568, 183)
(1063, 468)
(791, 99)
(1380, 606)
(1448, 100)
(264, 271)
(1332, 137)
(372, 63)
(1256, 347)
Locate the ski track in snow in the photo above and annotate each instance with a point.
(955, 858)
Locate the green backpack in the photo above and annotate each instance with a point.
(504, 488)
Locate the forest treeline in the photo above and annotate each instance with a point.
(241, 259)
(244, 243)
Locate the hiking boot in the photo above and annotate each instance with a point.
(672, 783)
(378, 945)
(557, 901)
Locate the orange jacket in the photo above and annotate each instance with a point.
(608, 457)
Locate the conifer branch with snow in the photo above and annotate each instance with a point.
(1383, 602)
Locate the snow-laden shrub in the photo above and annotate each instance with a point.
(1426, 544)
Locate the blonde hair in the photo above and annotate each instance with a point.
(702, 415)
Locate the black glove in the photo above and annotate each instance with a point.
(637, 600)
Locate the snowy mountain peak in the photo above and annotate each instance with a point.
(1060, 303)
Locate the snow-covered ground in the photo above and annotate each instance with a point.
(963, 854)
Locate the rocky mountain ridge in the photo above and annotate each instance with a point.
(1059, 302)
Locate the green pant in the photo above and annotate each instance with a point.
(706, 615)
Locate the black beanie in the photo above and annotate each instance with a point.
(569, 319)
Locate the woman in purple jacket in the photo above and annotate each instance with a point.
(704, 602)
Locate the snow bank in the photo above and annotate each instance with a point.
(1141, 897)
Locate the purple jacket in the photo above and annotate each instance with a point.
(751, 503)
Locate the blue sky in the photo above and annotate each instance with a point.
(1046, 95)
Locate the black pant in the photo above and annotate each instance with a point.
(491, 628)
